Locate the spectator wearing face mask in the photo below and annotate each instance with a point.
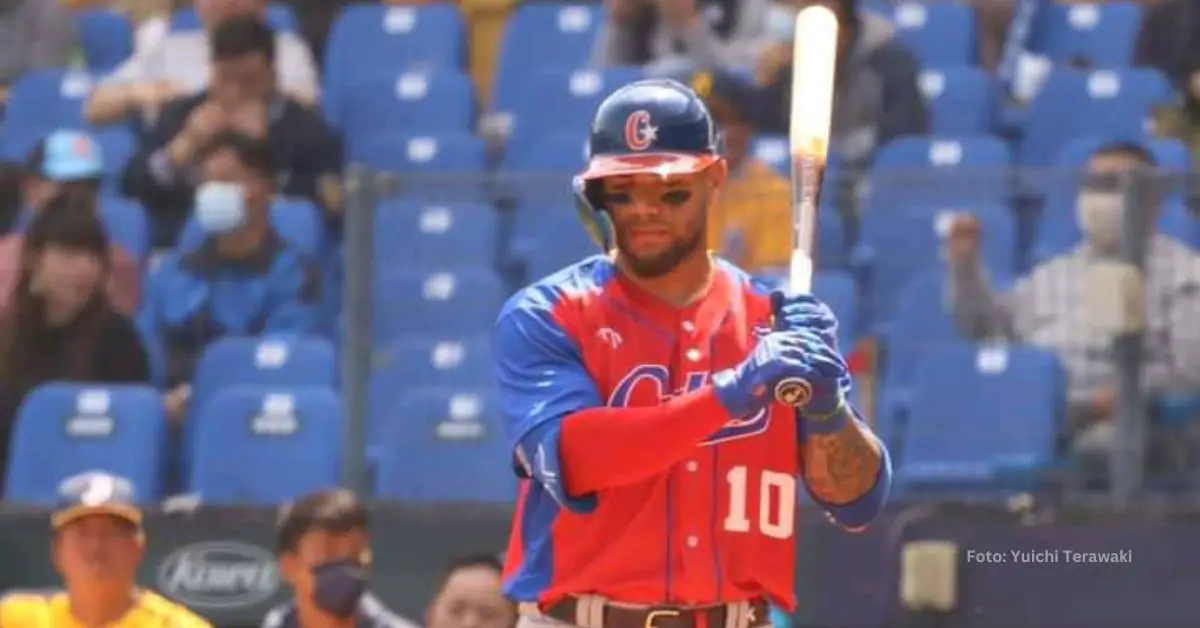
(59, 323)
(1055, 305)
(469, 596)
(244, 280)
(70, 163)
(878, 98)
(181, 63)
(242, 98)
(681, 33)
(324, 552)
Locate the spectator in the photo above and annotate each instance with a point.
(1182, 121)
(1054, 308)
(244, 279)
(745, 221)
(876, 89)
(469, 596)
(36, 35)
(1167, 40)
(324, 555)
(241, 98)
(698, 33)
(97, 545)
(180, 65)
(70, 163)
(59, 325)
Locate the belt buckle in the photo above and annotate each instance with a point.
(656, 614)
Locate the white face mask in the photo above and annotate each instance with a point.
(1100, 216)
(220, 207)
(781, 22)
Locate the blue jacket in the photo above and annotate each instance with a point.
(195, 297)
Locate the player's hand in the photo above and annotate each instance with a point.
(962, 240)
(825, 370)
(804, 312)
(779, 356)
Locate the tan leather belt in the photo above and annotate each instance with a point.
(756, 613)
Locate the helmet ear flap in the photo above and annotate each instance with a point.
(592, 214)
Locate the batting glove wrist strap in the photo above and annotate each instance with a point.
(830, 422)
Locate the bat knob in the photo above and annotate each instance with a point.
(793, 391)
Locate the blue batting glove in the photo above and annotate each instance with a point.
(804, 312)
(747, 388)
(825, 371)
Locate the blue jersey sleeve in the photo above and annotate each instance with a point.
(542, 379)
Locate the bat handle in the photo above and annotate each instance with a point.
(800, 272)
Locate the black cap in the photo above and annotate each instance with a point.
(95, 493)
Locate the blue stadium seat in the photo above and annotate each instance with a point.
(387, 102)
(839, 291)
(1178, 222)
(898, 244)
(439, 303)
(548, 237)
(297, 220)
(445, 445)
(411, 362)
(970, 430)
(367, 38)
(773, 151)
(540, 172)
(940, 34)
(450, 236)
(1074, 103)
(279, 16)
(446, 152)
(127, 225)
(1103, 34)
(106, 37)
(922, 320)
(262, 362)
(556, 100)
(117, 145)
(939, 170)
(544, 34)
(959, 100)
(1057, 230)
(62, 430)
(40, 102)
(254, 446)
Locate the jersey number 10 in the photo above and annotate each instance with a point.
(776, 503)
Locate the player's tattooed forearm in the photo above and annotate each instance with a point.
(841, 467)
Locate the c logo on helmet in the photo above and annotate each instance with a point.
(639, 133)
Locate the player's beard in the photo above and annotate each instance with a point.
(651, 267)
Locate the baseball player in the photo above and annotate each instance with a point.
(639, 388)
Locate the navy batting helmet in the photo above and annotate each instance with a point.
(655, 126)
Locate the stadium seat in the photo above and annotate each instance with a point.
(1074, 103)
(298, 222)
(898, 244)
(548, 237)
(367, 38)
(939, 171)
(556, 100)
(922, 320)
(40, 102)
(440, 303)
(839, 291)
(541, 35)
(117, 145)
(262, 362)
(773, 151)
(62, 430)
(410, 362)
(1057, 230)
(939, 34)
(539, 173)
(452, 236)
(254, 446)
(959, 100)
(127, 225)
(388, 102)
(1180, 223)
(971, 429)
(279, 16)
(448, 152)
(445, 445)
(106, 37)
(1101, 34)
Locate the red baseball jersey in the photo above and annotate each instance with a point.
(719, 525)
